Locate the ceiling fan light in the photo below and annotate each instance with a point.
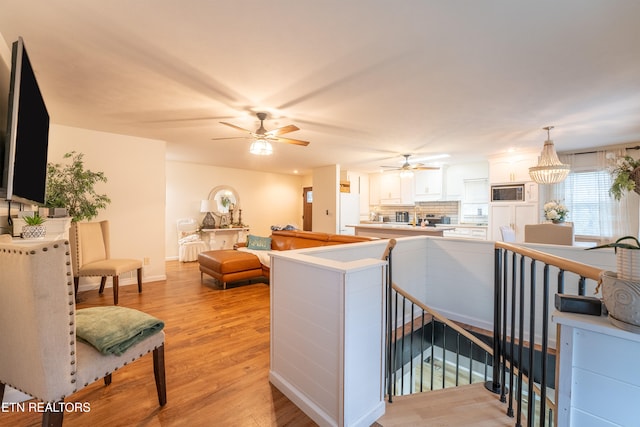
(261, 147)
(406, 173)
(550, 170)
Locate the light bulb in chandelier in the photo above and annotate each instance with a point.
(550, 170)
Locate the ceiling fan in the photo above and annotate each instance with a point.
(261, 134)
(408, 167)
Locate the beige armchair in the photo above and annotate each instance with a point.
(41, 355)
(548, 233)
(90, 256)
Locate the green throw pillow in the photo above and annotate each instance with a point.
(259, 243)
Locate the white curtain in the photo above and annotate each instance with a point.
(586, 194)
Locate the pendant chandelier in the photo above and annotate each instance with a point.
(549, 170)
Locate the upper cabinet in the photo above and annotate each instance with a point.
(428, 185)
(457, 175)
(511, 167)
(390, 189)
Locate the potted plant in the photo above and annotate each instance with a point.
(34, 228)
(555, 211)
(71, 186)
(625, 172)
(621, 291)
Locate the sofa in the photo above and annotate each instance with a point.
(245, 263)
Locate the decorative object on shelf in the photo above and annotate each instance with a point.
(550, 170)
(625, 172)
(621, 290)
(555, 211)
(207, 206)
(34, 228)
(225, 201)
(622, 299)
(627, 257)
(71, 186)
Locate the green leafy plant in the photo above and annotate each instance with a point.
(618, 244)
(34, 219)
(623, 173)
(71, 186)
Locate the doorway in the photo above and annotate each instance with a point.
(307, 208)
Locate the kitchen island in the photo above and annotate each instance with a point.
(390, 231)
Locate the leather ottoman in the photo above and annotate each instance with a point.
(228, 265)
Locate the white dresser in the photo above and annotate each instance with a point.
(224, 238)
(597, 372)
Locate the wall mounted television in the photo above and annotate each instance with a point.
(24, 170)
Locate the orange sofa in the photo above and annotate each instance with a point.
(229, 265)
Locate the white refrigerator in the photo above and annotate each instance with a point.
(349, 212)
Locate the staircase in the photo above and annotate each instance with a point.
(439, 374)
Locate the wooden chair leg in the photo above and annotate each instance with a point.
(115, 290)
(107, 379)
(158, 373)
(103, 281)
(53, 418)
(76, 283)
(140, 280)
(1, 391)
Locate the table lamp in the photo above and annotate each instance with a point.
(208, 206)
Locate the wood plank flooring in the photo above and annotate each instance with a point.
(217, 365)
(216, 355)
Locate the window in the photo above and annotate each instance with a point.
(586, 195)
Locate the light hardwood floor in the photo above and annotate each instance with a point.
(217, 364)
(216, 355)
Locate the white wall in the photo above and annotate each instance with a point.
(135, 169)
(266, 199)
(326, 181)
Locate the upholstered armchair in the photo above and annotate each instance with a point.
(189, 242)
(91, 256)
(41, 355)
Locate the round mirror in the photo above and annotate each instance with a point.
(226, 199)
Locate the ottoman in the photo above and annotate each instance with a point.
(228, 265)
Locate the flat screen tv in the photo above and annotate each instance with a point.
(24, 174)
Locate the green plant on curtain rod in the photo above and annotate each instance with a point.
(625, 171)
(71, 186)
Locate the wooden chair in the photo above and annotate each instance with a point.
(90, 256)
(41, 355)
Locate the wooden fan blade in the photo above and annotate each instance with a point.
(282, 130)
(236, 127)
(293, 141)
(231, 137)
(426, 168)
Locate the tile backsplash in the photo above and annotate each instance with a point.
(437, 209)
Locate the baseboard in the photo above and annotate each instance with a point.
(315, 412)
(94, 282)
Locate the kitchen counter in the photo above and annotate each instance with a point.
(386, 230)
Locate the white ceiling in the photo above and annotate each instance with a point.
(364, 80)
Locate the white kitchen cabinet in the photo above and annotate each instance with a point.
(511, 168)
(391, 189)
(428, 185)
(514, 215)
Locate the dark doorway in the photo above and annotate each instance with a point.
(307, 203)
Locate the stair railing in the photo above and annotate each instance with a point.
(521, 345)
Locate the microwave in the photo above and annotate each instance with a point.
(507, 193)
